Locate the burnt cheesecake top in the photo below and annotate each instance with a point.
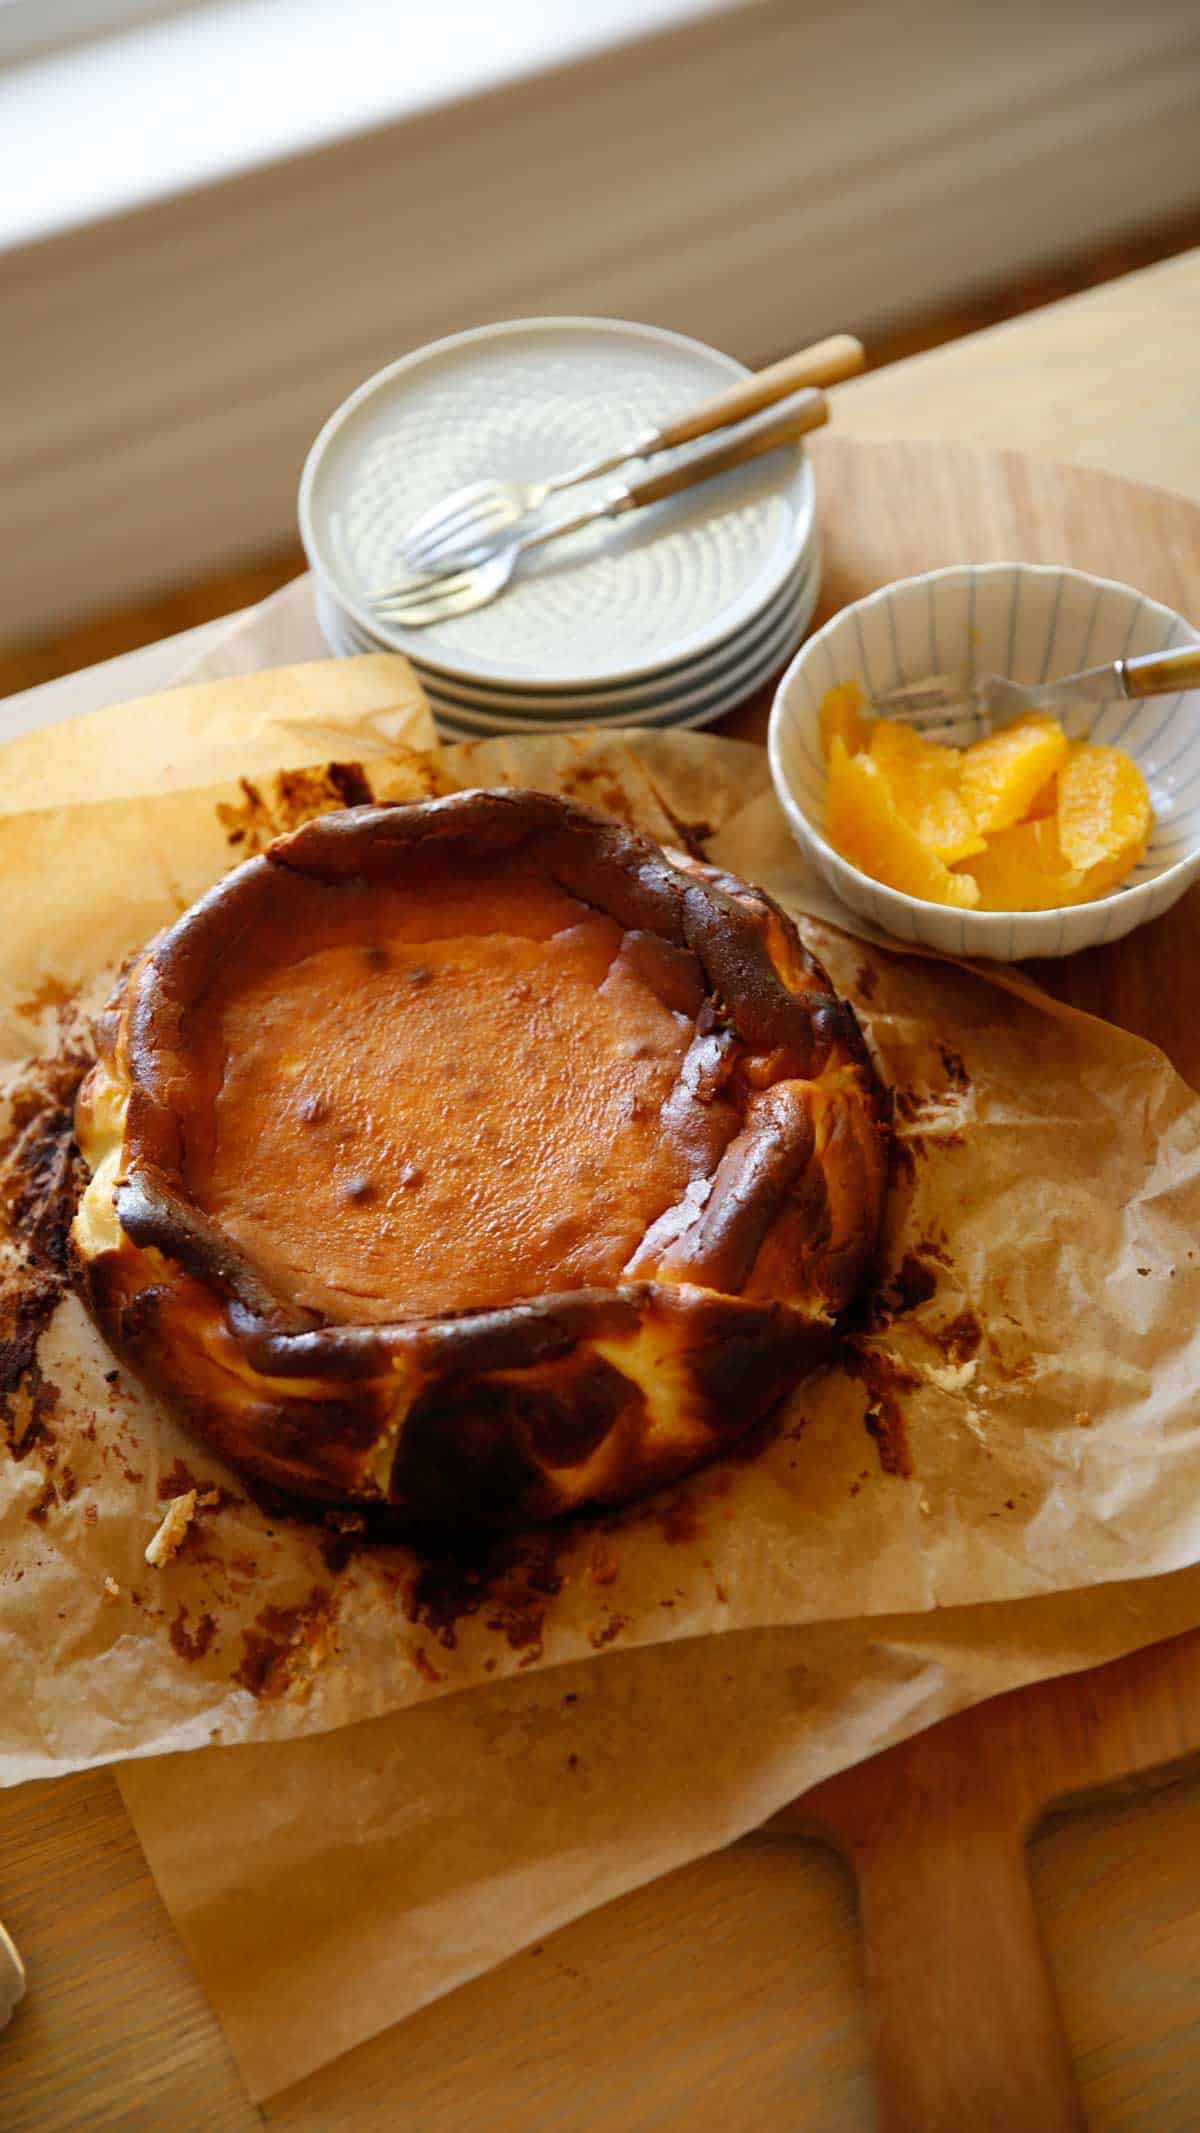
(480, 1102)
(444, 1092)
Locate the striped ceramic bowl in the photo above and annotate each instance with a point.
(1029, 622)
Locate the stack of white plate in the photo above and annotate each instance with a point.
(669, 616)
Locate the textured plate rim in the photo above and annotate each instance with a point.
(727, 701)
(655, 686)
(760, 660)
(607, 704)
(702, 682)
(763, 659)
(474, 669)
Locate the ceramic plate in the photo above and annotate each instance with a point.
(725, 685)
(704, 709)
(781, 626)
(610, 605)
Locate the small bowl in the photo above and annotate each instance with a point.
(1029, 622)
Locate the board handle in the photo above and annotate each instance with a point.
(966, 2028)
(966, 2031)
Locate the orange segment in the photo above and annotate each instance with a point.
(1103, 808)
(863, 823)
(1002, 774)
(1023, 869)
(1019, 822)
(1044, 802)
(923, 781)
(839, 716)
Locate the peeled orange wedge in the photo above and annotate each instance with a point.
(1104, 811)
(863, 821)
(1020, 821)
(1003, 774)
(840, 718)
(1023, 869)
(923, 781)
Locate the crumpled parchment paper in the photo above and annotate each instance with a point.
(1013, 1437)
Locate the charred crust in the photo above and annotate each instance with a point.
(755, 1173)
(154, 1213)
(756, 1363)
(492, 1417)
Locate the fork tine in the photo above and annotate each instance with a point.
(462, 500)
(415, 595)
(473, 531)
(947, 721)
(436, 570)
(937, 693)
(437, 598)
(928, 720)
(952, 733)
(451, 527)
(413, 603)
(952, 725)
(421, 597)
(440, 561)
(418, 617)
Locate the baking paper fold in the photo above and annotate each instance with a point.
(197, 735)
(478, 1825)
(961, 1511)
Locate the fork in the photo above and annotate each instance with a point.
(981, 699)
(465, 526)
(437, 599)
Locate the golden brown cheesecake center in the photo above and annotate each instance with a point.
(444, 1097)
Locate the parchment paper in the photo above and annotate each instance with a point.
(477, 1825)
(197, 735)
(1045, 1159)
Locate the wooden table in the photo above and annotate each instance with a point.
(729, 1995)
(1107, 379)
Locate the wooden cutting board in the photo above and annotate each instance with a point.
(966, 2029)
(965, 2026)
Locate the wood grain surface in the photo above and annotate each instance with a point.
(731, 1995)
(1106, 379)
(964, 2016)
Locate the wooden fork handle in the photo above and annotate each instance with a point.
(1158, 673)
(775, 425)
(825, 363)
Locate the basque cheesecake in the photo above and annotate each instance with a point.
(477, 1159)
